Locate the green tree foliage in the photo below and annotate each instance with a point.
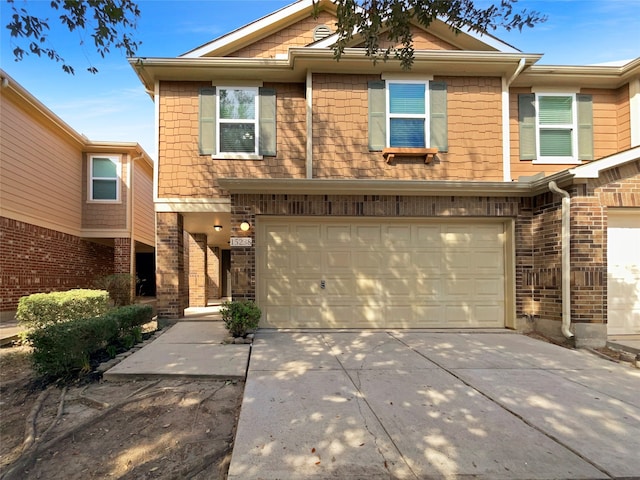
(375, 21)
(109, 23)
(112, 23)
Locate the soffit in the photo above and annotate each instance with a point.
(587, 76)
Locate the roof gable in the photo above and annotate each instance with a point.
(299, 34)
(262, 28)
(293, 26)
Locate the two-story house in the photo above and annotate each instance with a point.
(72, 210)
(478, 189)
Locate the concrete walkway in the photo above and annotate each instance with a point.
(423, 405)
(188, 349)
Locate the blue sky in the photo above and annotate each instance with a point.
(113, 106)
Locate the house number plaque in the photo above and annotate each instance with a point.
(241, 241)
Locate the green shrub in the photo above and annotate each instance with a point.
(240, 316)
(62, 350)
(41, 309)
(119, 287)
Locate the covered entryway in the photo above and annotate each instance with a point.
(380, 273)
(623, 272)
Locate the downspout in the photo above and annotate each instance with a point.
(566, 259)
(309, 95)
(506, 135)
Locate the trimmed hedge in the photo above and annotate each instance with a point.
(42, 309)
(240, 316)
(63, 350)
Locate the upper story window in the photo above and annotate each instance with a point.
(237, 118)
(104, 175)
(408, 114)
(556, 127)
(408, 123)
(237, 122)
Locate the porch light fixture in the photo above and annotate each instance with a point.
(244, 226)
(217, 228)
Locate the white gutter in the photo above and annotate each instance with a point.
(566, 259)
(309, 159)
(506, 133)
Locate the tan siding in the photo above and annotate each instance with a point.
(623, 118)
(144, 218)
(605, 127)
(421, 41)
(182, 172)
(340, 132)
(40, 171)
(296, 35)
(605, 121)
(106, 215)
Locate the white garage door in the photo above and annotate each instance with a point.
(623, 272)
(317, 273)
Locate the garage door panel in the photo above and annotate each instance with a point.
(339, 259)
(366, 235)
(338, 234)
(307, 234)
(366, 260)
(488, 315)
(428, 262)
(382, 273)
(623, 272)
(398, 235)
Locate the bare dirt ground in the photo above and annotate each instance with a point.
(167, 429)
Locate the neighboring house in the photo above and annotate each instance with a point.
(71, 209)
(354, 194)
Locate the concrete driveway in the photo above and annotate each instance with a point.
(422, 405)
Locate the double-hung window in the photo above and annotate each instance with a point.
(237, 122)
(407, 114)
(556, 127)
(408, 123)
(237, 113)
(104, 178)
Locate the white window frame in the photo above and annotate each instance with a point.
(116, 160)
(255, 121)
(427, 110)
(573, 159)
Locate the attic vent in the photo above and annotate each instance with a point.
(320, 32)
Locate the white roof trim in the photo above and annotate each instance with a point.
(487, 39)
(593, 169)
(249, 29)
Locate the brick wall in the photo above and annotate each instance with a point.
(171, 285)
(198, 270)
(213, 272)
(35, 259)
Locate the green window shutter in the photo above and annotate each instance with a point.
(207, 121)
(585, 127)
(527, 121)
(267, 128)
(377, 115)
(438, 119)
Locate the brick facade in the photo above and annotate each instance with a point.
(34, 259)
(198, 291)
(171, 284)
